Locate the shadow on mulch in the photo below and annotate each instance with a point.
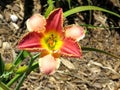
(28, 7)
(3, 3)
(107, 4)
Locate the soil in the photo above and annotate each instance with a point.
(94, 71)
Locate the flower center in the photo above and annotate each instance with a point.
(51, 42)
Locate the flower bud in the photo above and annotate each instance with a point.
(8, 66)
(21, 69)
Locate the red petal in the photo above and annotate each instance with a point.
(31, 42)
(70, 48)
(55, 21)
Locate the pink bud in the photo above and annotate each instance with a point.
(48, 64)
(36, 23)
(74, 31)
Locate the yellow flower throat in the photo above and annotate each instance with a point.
(51, 41)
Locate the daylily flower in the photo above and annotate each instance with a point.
(51, 40)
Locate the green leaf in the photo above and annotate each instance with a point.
(34, 65)
(2, 66)
(69, 3)
(92, 26)
(17, 76)
(98, 50)
(3, 86)
(21, 56)
(27, 72)
(86, 8)
(50, 8)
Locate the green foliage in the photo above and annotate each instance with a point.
(21, 56)
(3, 86)
(2, 66)
(86, 8)
(100, 51)
(50, 8)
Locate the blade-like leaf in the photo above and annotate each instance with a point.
(17, 76)
(86, 8)
(98, 50)
(26, 73)
(22, 55)
(3, 86)
(69, 3)
(50, 7)
(2, 66)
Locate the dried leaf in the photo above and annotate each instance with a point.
(68, 64)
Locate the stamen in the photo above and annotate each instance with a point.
(51, 41)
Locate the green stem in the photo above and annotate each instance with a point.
(3, 86)
(27, 72)
(17, 76)
(24, 75)
(21, 56)
(13, 80)
(18, 57)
